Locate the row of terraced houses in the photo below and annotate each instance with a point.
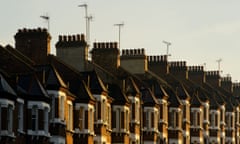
(129, 98)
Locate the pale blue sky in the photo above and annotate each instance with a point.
(201, 31)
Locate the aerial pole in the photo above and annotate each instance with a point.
(46, 18)
(89, 19)
(119, 25)
(219, 64)
(86, 16)
(167, 44)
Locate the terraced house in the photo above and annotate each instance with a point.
(129, 98)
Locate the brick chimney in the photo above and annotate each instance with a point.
(33, 43)
(226, 83)
(158, 64)
(196, 74)
(73, 50)
(179, 69)
(106, 55)
(213, 78)
(134, 60)
(236, 89)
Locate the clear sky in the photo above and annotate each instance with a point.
(201, 31)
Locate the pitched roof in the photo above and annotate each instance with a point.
(13, 64)
(94, 82)
(5, 87)
(148, 97)
(29, 84)
(131, 87)
(116, 93)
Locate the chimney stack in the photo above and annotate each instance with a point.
(34, 43)
(134, 60)
(106, 55)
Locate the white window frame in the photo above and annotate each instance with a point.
(70, 116)
(20, 115)
(34, 112)
(10, 118)
(62, 107)
(46, 117)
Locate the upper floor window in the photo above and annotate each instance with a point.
(109, 117)
(62, 107)
(175, 119)
(10, 118)
(214, 119)
(196, 118)
(45, 120)
(91, 120)
(150, 119)
(20, 116)
(81, 118)
(35, 118)
(70, 116)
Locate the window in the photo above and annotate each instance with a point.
(61, 107)
(10, 118)
(156, 120)
(109, 116)
(53, 106)
(104, 112)
(96, 112)
(70, 115)
(81, 118)
(91, 120)
(147, 117)
(34, 118)
(0, 117)
(46, 120)
(137, 111)
(127, 120)
(20, 116)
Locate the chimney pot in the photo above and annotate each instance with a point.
(65, 38)
(82, 37)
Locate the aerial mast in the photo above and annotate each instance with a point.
(219, 64)
(47, 18)
(119, 25)
(168, 44)
(85, 6)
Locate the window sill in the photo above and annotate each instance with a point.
(7, 133)
(38, 133)
(84, 131)
(57, 120)
(20, 131)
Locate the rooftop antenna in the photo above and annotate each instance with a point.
(89, 19)
(168, 44)
(86, 16)
(219, 64)
(46, 18)
(119, 25)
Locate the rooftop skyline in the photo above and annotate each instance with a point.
(200, 31)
